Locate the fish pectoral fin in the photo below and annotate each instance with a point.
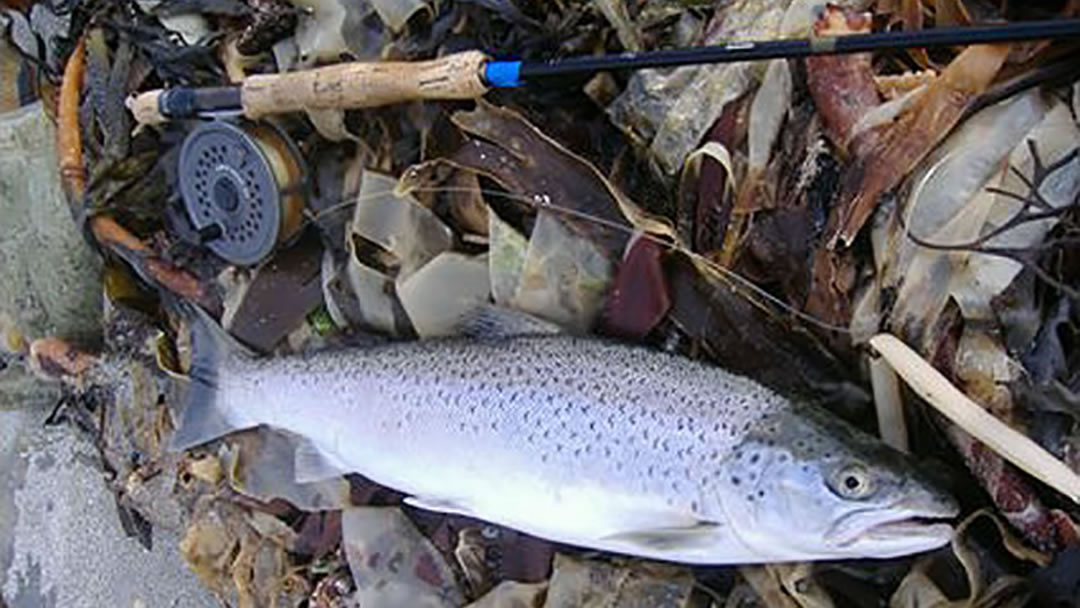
(699, 535)
(313, 464)
(439, 505)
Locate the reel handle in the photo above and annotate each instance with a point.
(343, 85)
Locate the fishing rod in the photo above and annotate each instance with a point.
(471, 74)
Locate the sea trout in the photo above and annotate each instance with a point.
(581, 441)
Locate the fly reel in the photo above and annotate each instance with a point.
(242, 188)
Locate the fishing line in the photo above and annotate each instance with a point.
(737, 282)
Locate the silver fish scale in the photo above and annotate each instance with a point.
(432, 417)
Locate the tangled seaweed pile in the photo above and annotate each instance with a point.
(771, 217)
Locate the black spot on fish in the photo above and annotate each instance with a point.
(735, 480)
(755, 458)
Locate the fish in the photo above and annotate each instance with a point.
(579, 440)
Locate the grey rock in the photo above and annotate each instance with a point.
(50, 279)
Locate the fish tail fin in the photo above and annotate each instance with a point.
(207, 415)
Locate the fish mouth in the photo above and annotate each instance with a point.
(908, 529)
(897, 525)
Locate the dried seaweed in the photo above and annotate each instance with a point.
(1033, 208)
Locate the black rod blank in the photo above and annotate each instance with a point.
(830, 45)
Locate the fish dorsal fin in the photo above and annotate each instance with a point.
(313, 464)
(700, 535)
(438, 505)
(490, 322)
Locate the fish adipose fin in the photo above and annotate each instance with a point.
(439, 506)
(698, 536)
(206, 416)
(312, 464)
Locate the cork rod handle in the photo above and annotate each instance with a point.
(344, 85)
(365, 85)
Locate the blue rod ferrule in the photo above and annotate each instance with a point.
(503, 74)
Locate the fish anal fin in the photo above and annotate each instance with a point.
(313, 464)
(697, 536)
(438, 505)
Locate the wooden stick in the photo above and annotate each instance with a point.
(1012, 445)
(890, 407)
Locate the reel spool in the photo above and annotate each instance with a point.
(241, 187)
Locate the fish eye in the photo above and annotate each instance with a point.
(852, 481)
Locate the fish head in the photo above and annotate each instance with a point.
(807, 486)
